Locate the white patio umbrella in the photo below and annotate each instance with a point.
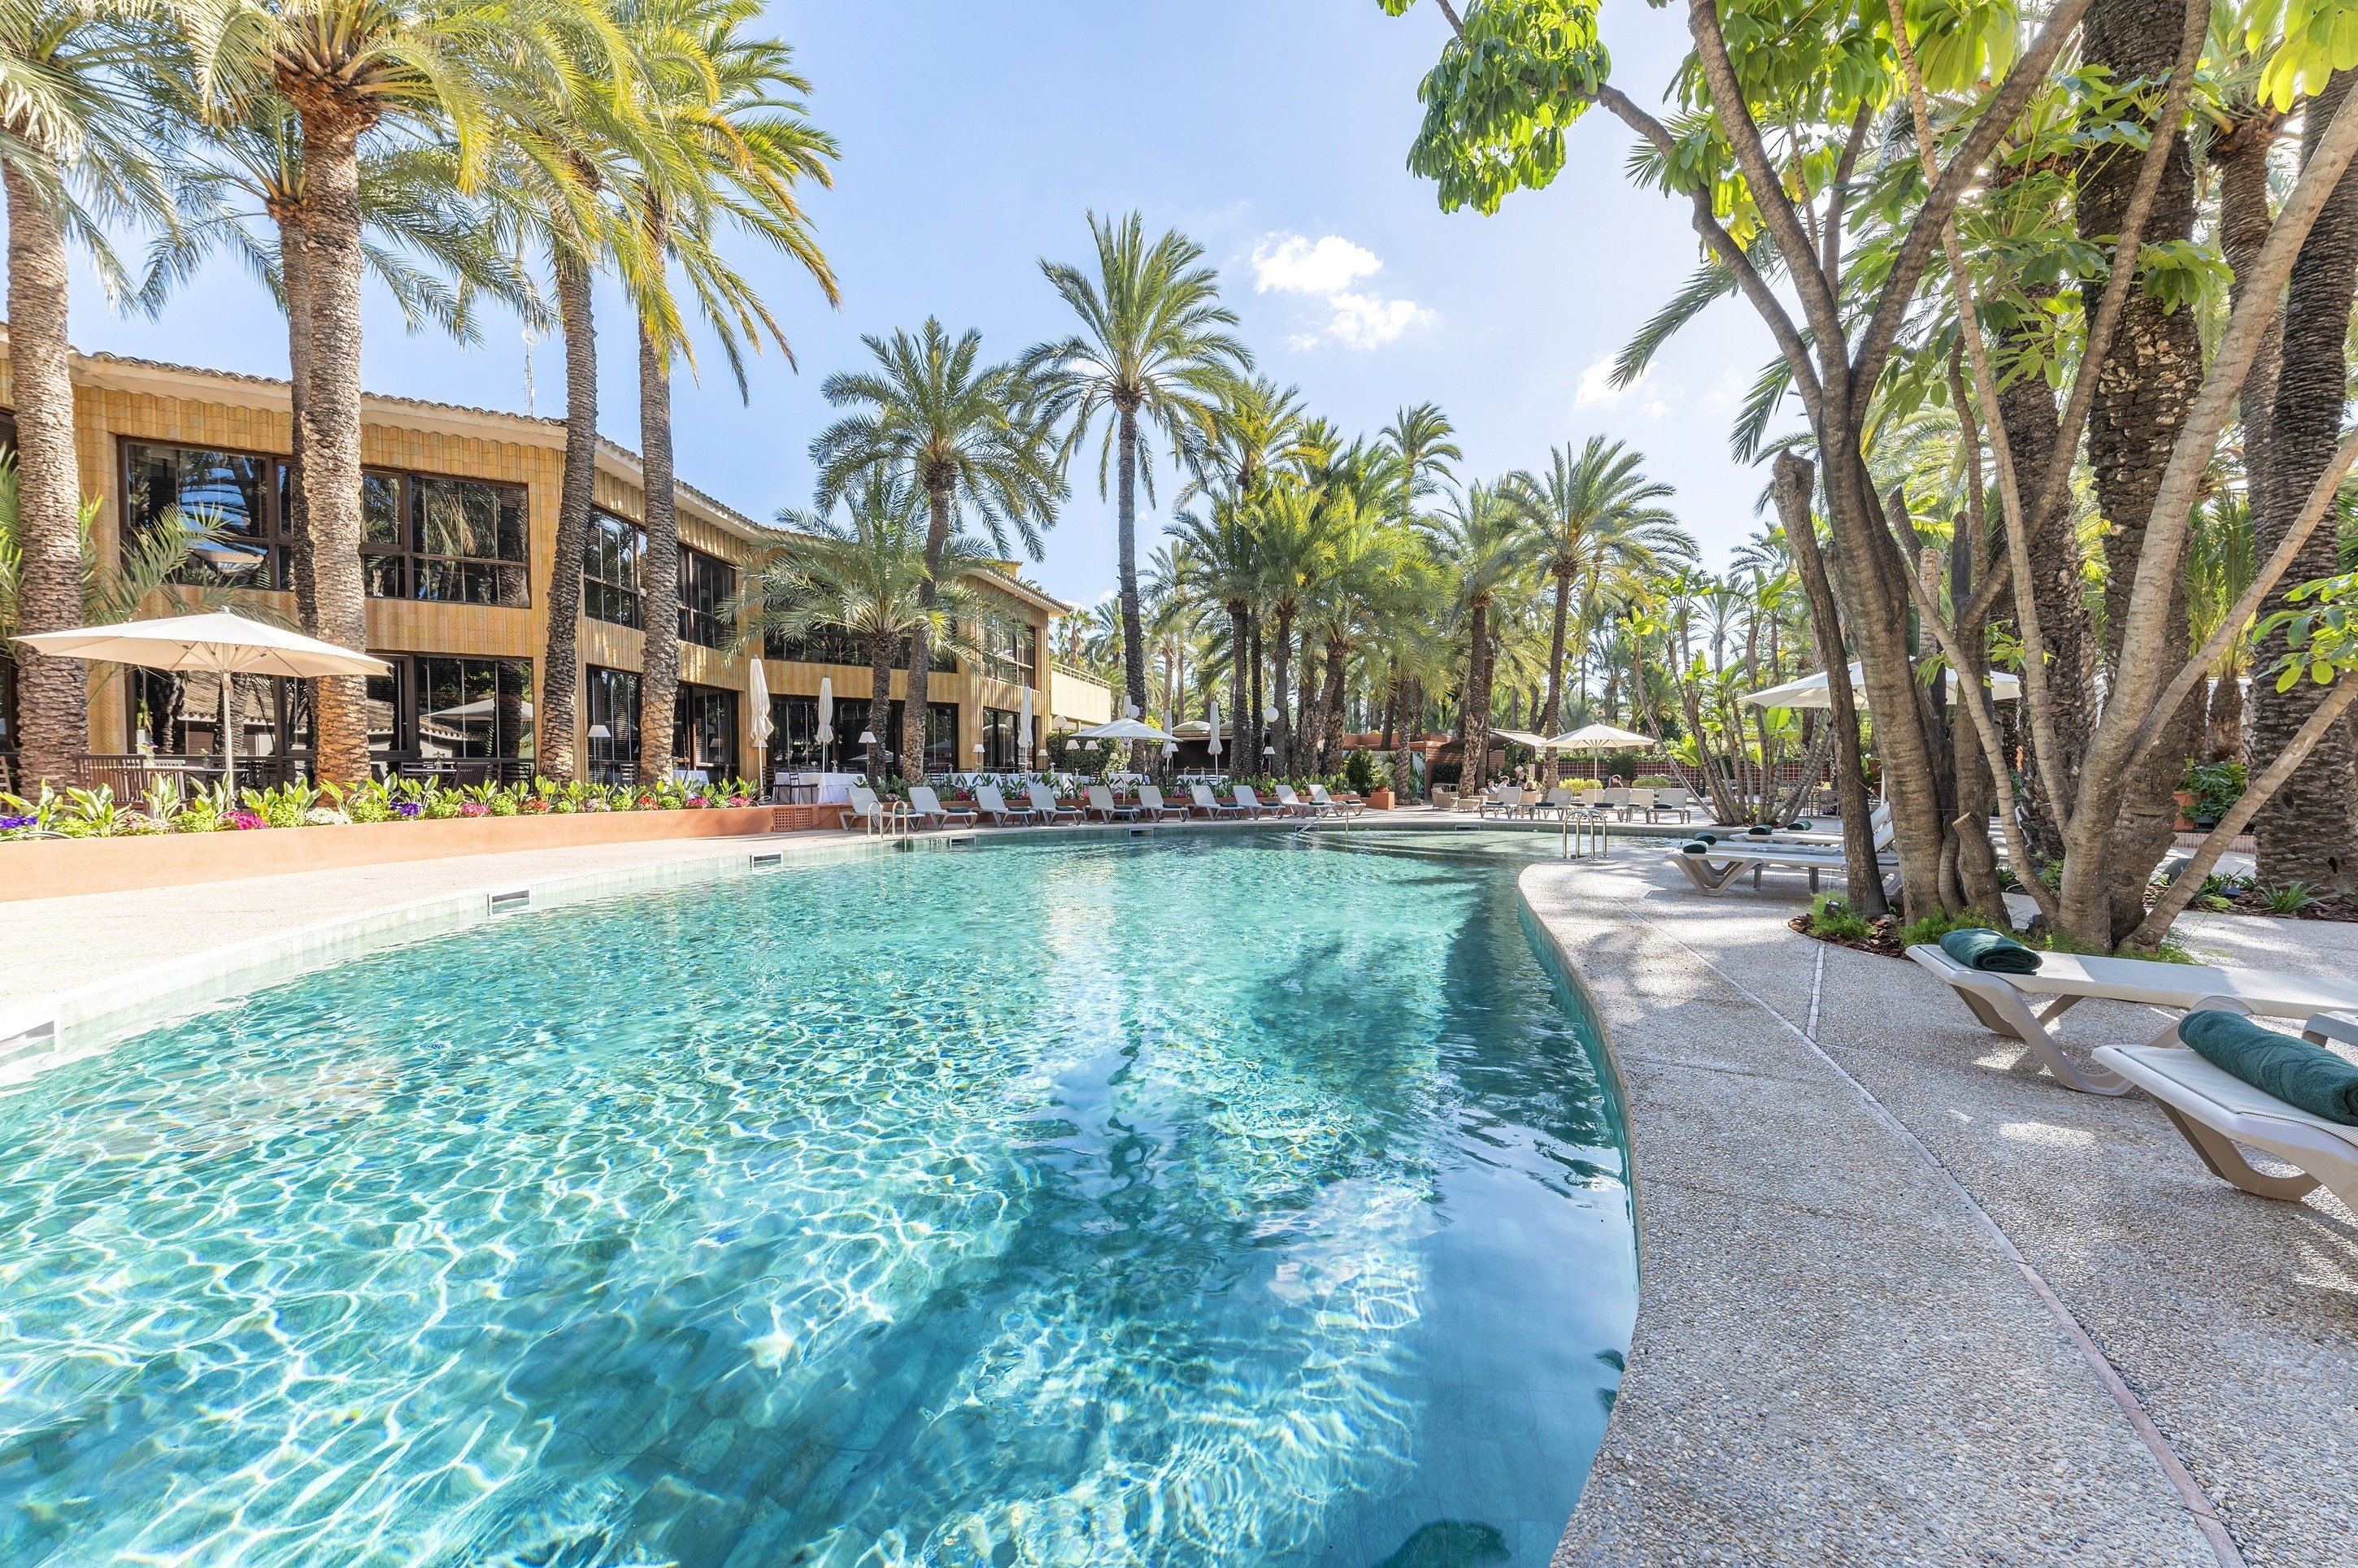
(757, 693)
(1597, 738)
(1023, 730)
(1810, 691)
(1121, 730)
(825, 716)
(1171, 741)
(218, 644)
(1215, 720)
(1522, 738)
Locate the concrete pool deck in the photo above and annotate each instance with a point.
(1904, 1298)
(1886, 1268)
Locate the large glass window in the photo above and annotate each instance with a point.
(941, 734)
(452, 540)
(821, 645)
(240, 493)
(610, 570)
(1011, 653)
(703, 729)
(613, 706)
(174, 714)
(707, 584)
(437, 707)
(1000, 732)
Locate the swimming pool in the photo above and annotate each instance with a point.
(1211, 1199)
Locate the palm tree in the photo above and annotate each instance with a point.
(970, 436)
(1481, 543)
(1153, 346)
(1256, 427)
(352, 68)
(1220, 562)
(1591, 514)
(726, 145)
(1292, 525)
(870, 578)
(76, 150)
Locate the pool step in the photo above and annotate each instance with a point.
(514, 903)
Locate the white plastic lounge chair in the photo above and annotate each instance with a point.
(1151, 806)
(1292, 805)
(1504, 800)
(1680, 801)
(1253, 805)
(994, 806)
(2216, 1110)
(1320, 798)
(2064, 980)
(1713, 872)
(1101, 802)
(1209, 804)
(867, 807)
(1045, 807)
(1640, 800)
(1613, 800)
(927, 805)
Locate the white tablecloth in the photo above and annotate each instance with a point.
(834, 789)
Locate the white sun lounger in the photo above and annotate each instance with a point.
(1044, 806)
(1209, 804)
(925, 802)
(994, 806)
(1325, 802)
(2216, 1110)
(1294, 805)
(1101, 801)
(1151, 806)
(1757, 855)
(2004, 1002)
(1253, 805)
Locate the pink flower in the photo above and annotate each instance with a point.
(245, 821)
(474, 808)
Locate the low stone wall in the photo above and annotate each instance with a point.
(56, 868)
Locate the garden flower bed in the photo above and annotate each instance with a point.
(84, 842)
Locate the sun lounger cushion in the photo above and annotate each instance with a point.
(1991, 952)
(2296, 1071)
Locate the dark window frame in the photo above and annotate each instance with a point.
(408, 698)
(703, 598)
(601, 686)
(1009, 652)
(274, 534)
(701, 714)
(615, 596)
(405, 568)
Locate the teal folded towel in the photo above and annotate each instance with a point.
(1802, 826)
(2295, 1071)
(1706, 838)
(1992, 951)
(1762, 831)
(1698, 846)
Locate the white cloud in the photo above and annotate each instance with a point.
(1597, 388)
(1327, 268)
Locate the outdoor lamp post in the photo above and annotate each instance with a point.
(599, 733)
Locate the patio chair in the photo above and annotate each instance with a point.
(994, 806)
(1503, 799)
(1101, 802)
(1640, 800)
(1253, 805)
(1613, 800)
(1209, 804)
(870, 811)
(1154, 808)
(927, 805)
(2215, 1110)
(1714, 870)
(1294, 805)
(2064, 980)
(1347, 807)
(1044, 806)
(1679, 800)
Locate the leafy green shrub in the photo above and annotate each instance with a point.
(1359, 771)
(2290, 897)
(1928, 932)
(1657, 781)
(1830, 917)
(2216, 786)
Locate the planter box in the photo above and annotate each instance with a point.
(1380, 800)
(55, 868)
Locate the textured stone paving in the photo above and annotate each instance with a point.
(1839, 1359)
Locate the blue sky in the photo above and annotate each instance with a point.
(1274, 131)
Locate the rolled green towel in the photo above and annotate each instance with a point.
(1801, 825)
(1992, 952)
(1706, 838)
(2295, 1071)
(1695, 846)
(1760, 830)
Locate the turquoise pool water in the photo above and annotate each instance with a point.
(1170, 1201)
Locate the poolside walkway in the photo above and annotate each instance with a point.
(1888, 1271)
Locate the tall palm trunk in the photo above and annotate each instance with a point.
(1133, 626)
(1310, 711)
(1404, 739)
(659, 665)
(329, 235)
(53, 694)
(1864, 883)
(914, 727)
(2305, 830)
(1330, 705)
(560, 666)
(1281, 663)
(1552, 715)
(1474, 716)
(1239, 674)
(880, 699)
(1251, 723)
(292, 278)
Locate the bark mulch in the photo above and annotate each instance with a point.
(2342, 909)
(1883, 940)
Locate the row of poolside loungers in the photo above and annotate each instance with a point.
(2221, 1079)
(1040, 807)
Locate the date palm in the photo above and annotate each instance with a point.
(76, 152)
(971, 437)
(869, 577)
(1153, 352)
(355, 70)
(724, 146)
(1293, 526)
(1593, 516)
(1219, 562)
(1482, 542)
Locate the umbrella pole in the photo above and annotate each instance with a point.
(229, 730)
